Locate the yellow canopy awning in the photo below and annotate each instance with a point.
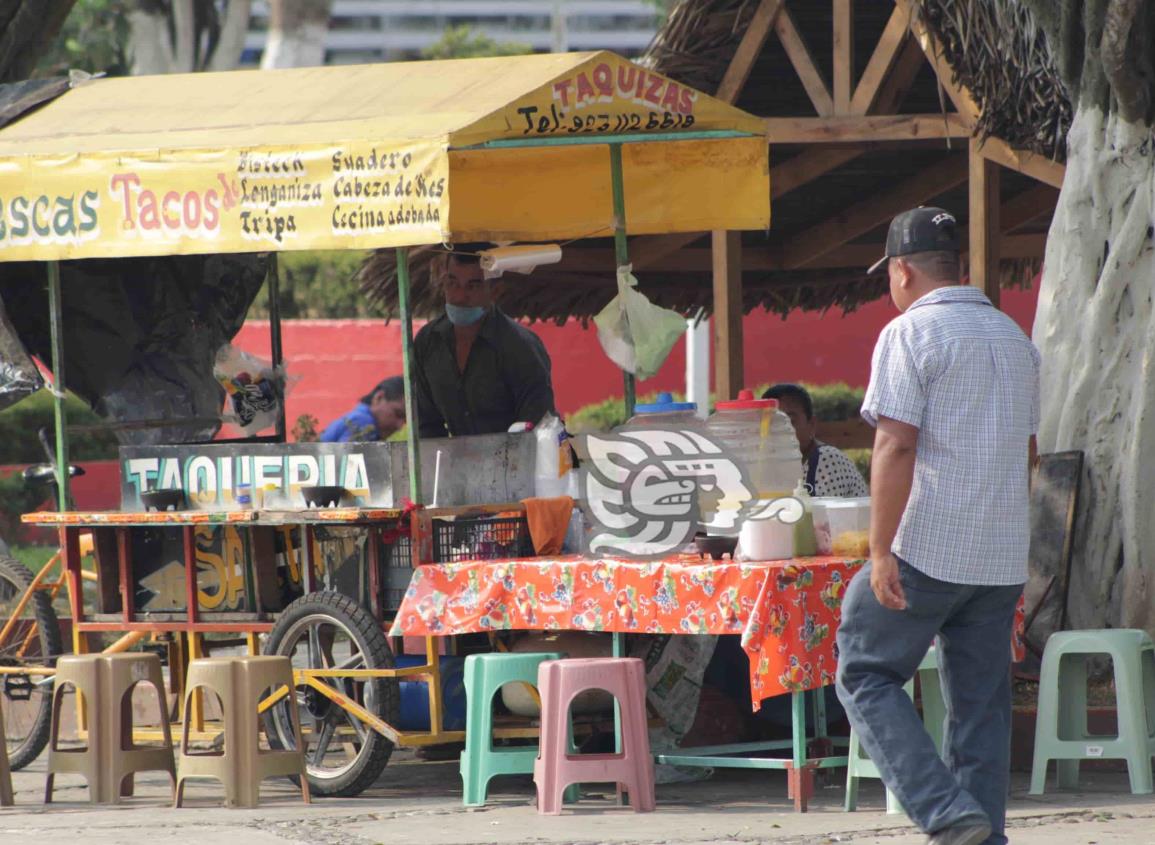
(373, 156)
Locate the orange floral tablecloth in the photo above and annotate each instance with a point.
(785, 611)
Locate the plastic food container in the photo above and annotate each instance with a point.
(842, 526)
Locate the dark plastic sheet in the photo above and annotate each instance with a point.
(140, 334)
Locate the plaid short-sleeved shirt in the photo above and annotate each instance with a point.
(966, 375)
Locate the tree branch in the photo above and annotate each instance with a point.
(1126, 57)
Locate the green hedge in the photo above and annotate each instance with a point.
(19, 442)
(832, 402)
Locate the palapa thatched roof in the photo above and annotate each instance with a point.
(993, 47)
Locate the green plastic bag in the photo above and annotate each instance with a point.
(636, 334)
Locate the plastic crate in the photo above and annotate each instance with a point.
(454, 540)
(481, 538)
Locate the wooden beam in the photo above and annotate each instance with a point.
(984, 223)
(763, 259)
(754, 39)
(645, 251)
(728, 310)
(882, 62)
(897, 85)
(859, 129)
(803, 62)
(873, 211)
(807, 166)
(1030, 204)
(843, 55)
(959, 95)
(1036, 166)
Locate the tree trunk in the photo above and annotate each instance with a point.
(27, 28)
(1095, 332)
(1094, 323)
(152, 50)
(181, 36)
(297, 30)
(232, 37)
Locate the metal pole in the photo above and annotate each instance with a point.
(56, 322)
(274, 287)
(407, 365)
(621, 250)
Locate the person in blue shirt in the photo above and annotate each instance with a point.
(379, 414)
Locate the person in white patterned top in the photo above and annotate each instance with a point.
(954, 395)
(828, 472)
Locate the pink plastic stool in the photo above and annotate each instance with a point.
(559, 682)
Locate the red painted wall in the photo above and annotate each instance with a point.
(336, 361)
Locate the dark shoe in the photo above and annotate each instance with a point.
(964, 834)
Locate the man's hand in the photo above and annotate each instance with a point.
(885, 581)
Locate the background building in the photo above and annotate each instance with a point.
(386, 30)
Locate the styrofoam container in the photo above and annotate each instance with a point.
(842, 526)
(765, 539)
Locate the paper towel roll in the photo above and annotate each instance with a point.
(518, 259)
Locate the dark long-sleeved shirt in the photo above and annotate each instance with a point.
(506, 379)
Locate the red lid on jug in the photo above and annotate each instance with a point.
(746, 402)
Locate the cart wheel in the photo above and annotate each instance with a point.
(328, 630)
(33, 641)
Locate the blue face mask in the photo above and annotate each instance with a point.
(464, 315)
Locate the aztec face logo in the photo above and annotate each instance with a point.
(647, 489)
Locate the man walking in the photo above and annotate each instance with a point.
(954, 397)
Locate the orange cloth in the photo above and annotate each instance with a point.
(548, 522)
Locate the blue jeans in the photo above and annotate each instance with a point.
(879, 651)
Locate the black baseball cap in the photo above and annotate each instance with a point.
(922, 229)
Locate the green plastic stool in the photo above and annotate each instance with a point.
(485, 674)
(1061, 728)
(859, 765)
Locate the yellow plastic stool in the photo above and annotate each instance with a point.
(241, 683)
(110, 759)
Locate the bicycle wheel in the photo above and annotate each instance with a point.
(326, 630)
(34, 640)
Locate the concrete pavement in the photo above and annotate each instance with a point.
(419, 802)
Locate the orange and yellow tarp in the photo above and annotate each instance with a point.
(370, 156)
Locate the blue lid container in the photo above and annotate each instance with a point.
(665, 404)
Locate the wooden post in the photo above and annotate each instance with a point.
(843, 55)
(984, 223)
(728, 375)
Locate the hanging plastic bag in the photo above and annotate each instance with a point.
(256, 389)
(636, 334)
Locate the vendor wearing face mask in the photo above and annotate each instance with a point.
(476, 370)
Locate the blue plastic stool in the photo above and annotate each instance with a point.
(1061, 728)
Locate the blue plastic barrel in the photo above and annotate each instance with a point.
(415, 694)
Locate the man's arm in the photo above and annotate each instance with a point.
(891, 477)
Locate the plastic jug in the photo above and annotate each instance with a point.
(762, 438)
(665, 411)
